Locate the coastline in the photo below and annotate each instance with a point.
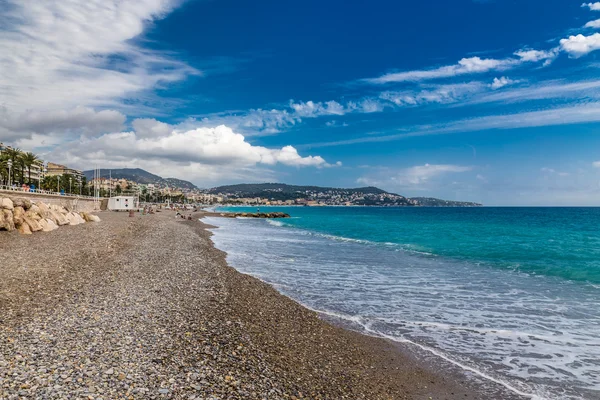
(147, 307)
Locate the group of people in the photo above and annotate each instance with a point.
(180, 215)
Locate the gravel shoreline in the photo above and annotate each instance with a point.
(147, 308)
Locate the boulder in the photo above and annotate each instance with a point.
(33, 224)
(6, 220)
(74, 219)
(35, 209)
(44, 224)
(80, 218)
(32, 214)
(24, 229)
(44, 209)
(94, 218)
(51, 224)
(58, 218)
(21, 202)
(18, 214)
(6, 203)
(85, 216)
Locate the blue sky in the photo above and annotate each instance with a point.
(490, 101)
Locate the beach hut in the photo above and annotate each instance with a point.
(122, 203)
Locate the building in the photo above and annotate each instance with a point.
(53, 169)
(37, 169)
(122, 203)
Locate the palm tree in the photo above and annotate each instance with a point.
(28, 160)
(4, 168)
(14, 155)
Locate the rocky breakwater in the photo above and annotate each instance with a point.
(255, 215)
(22, 214)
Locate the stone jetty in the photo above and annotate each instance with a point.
(26, 216)
(255, 215)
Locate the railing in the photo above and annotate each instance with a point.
(46, 192)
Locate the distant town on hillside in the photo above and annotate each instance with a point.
(152, 187)
(27, 171)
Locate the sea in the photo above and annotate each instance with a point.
(510, 295)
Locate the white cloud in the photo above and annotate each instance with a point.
(258, 121)
(592, 6)
(593, 24)
(417, 177)
(596, 164)
(441, 94)
(543, 90)
(580, 45)
(42, 65)
(582, 113)
(501, 82)
(219, 146)
(150, 128)
(79, 120)
(465, 66)
(529, 55)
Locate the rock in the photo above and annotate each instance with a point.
(109, 371)
(6, 203)
(31, 213)
(51, 224)
(74, 218)
(33, 224)
(44, 209)
(163, 391)
(35, 209)
(6, 220)
(21, 202)
(18, 214)
(47, 225)
(58, 218)
(24, 229)
(94, 218)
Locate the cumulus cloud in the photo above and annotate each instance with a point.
(150, 128)
(593, 24)
(79, 120)
(592, 6)
(219, 146)
(580, 45)
(529, 55)
(596, 164)
(501, 82)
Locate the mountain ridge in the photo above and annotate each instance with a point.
(141, 176)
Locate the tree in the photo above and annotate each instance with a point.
(118, 190)
(28, 160)
(14, 155)
(4, 168)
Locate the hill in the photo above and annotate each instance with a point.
(141, 176)
(331, 196)
(247, 189)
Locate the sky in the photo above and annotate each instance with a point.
(493, 101)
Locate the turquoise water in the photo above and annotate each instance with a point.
(511, 295)
(562, 242)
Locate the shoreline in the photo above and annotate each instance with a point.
(147, 307)
(458, 377)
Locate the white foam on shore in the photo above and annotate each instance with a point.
(532, 335)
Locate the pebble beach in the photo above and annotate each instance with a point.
(147, 308)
